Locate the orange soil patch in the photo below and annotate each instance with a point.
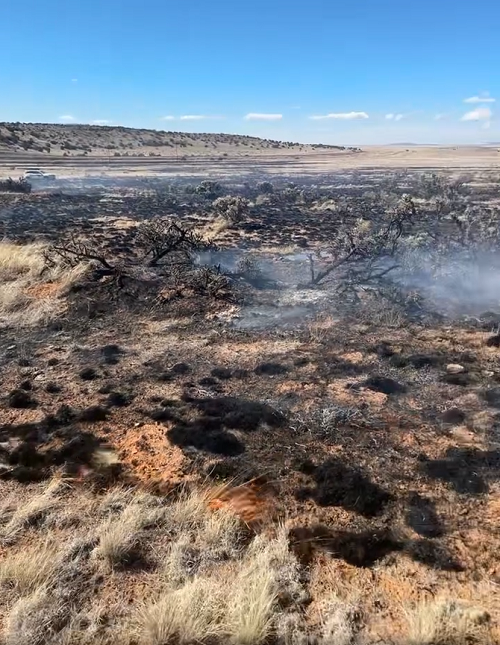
(341, 394)
(149, 456)
(44, 290)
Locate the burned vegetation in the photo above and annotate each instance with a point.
(261, 412)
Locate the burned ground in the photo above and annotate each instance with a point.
(371, 433)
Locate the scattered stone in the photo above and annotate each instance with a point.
(52, 361)
(455, 368)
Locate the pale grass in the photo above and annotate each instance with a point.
(320, 328)
(23, 267)
(447, 622)
(215, 228)
(16, 260)
(31, 619)
(337, 621)
(222, 530)
(192, 614)
(288, 249)
(31, 568)
(118, 538)
(190, 511)
(35, 510)
(267, 569)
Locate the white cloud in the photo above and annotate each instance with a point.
(348, 116)
(194, 117)
(74, 80)
(257, 116)
(100, 122)
(394, 117)
(479, 114)
(169, 117)
(67, 117)
(440, 116)
(480, 99)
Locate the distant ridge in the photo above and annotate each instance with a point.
(97, 140)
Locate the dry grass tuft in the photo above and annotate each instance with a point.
(192, 614)
(32, 513)
(32, 619)
(31, 568)
(119, 538)
(29, 292)
(267, 572)
(339, 622)
(447, 622)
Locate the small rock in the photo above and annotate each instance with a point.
(455, 368)
(488, 373)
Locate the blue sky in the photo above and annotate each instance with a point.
(376, 71)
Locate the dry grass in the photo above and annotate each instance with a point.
(31, 568)
(119, 538)
(32, 618)
(445, 622)
(192, 614)
(30, 293)
(209, 581)
(33, 512)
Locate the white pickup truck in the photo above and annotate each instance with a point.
(31, 174)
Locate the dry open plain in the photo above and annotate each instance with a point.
(251, 399)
